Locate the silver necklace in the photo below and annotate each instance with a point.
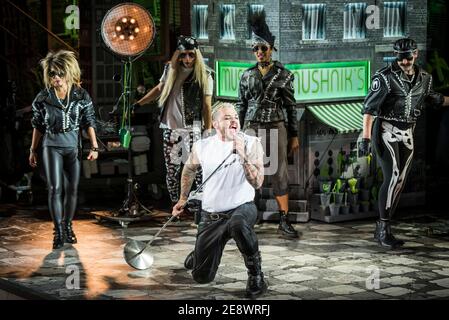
(60, 100)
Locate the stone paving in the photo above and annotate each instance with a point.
(329, 261)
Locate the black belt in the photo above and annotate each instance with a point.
(215, 216)
(61, 130)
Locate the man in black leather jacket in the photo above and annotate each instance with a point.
(397, 97)
(266, 103)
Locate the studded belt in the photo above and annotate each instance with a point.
(215, 216)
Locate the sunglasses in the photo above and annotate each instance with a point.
(409, 58)
(53, 74)
(190, 54)
(263, 48)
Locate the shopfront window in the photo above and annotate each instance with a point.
(354, 21)
(253, 9)
(227, 22)
(199, 21)
(314, 21)
(394, 19)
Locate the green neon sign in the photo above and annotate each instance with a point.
(318, 81)
(228, 76)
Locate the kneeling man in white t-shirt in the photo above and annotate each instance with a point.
(228, 209)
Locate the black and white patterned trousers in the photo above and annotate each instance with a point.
(177, 145)
(394, 149)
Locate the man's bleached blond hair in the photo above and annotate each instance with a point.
(219, 106)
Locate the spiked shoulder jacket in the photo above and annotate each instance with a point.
(394, 96)
(52, 115)
(268, 98)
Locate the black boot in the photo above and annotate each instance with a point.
(58, 239)
(70, 236)
(285, 226)
(385, 237)
(256, 284)
(377, 231)
(188, 262)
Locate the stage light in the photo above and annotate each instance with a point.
(128, 30)
(124, 23)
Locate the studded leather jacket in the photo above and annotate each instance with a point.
(394, 96)
(269, 98)
(51, 115)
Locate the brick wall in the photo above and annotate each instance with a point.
(287, 16)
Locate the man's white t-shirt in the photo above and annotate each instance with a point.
(172, 117)
(227, 188)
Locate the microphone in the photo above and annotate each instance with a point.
(245, 141)
(243, 136)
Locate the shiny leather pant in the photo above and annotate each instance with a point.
(62, 170)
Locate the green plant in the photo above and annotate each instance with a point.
(338, 186)
(327, 187)
(352, 183)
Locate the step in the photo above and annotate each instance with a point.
(293, 216)
(293, 205)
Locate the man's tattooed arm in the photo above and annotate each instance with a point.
(253, 165)
(188, 174)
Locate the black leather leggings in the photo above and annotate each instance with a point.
(62, 168)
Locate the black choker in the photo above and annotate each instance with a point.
(264, 64)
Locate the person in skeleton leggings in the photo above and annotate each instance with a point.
(397, 97)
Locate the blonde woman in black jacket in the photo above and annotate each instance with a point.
(59, 112)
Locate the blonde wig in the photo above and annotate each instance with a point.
(199, 73)
(62, 61)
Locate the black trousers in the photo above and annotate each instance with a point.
(62, 170)
(394, 150)
(213, 235)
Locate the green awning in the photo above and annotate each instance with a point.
(345, 117)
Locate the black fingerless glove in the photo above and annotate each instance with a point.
(364, 147)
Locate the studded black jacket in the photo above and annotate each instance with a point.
(268, 98)
(394, 96)
(50, 115)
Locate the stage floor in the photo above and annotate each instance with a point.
(328, 262)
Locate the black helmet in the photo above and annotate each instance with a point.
(404, 48)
